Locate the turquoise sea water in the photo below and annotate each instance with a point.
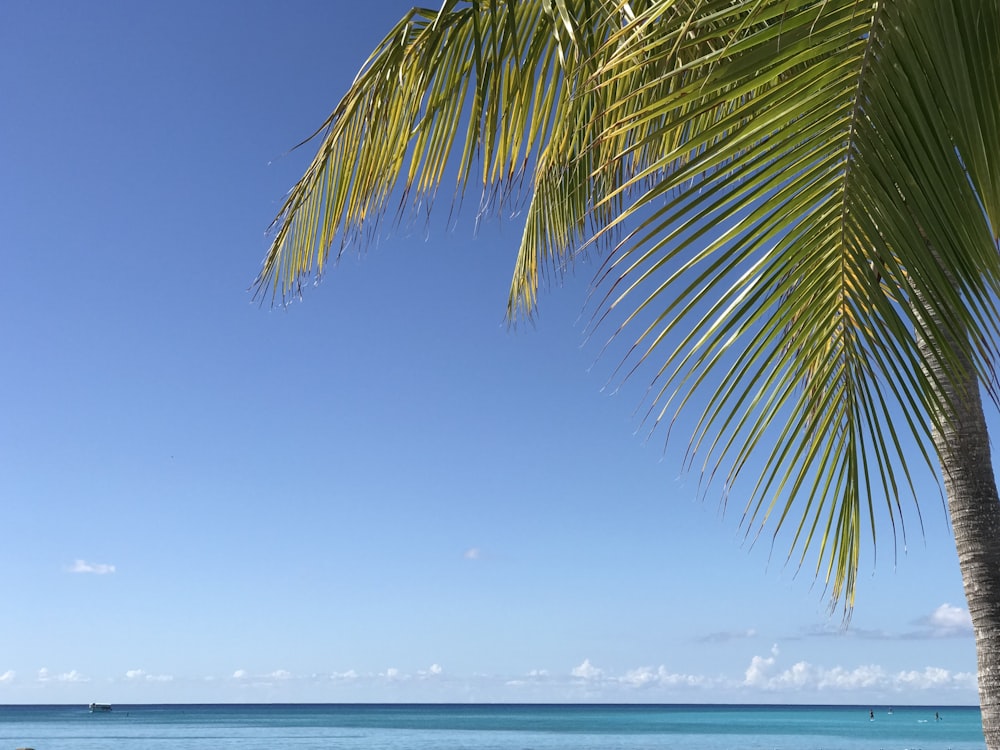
(490, 727)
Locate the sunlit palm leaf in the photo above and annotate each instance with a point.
(790, 195)
(484, 83)
(843, 216)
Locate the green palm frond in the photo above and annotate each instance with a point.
(789, 196)
(484, 83)
(822, 212)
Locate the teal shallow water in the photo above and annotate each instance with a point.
(490, 727)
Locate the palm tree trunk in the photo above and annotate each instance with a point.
(963, 450)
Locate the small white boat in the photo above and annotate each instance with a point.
(99, 707)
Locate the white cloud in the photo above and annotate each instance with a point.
(948, 620)
(72, 676)
(647, 677)
(8, 676)
(587, 671)
(800, 675)
(934, 677)
(533, 677)
(930, 677)
(135, 675)
(758, 673)
(763, 674)
(641, 677)
(473, 553)
(762, 678)
(82, 566)
(838, 678)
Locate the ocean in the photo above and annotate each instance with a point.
(491, 727)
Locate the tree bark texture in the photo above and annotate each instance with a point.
(963, 449)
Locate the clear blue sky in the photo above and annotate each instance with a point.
(380, 493)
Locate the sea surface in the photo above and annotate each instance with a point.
(491, 727)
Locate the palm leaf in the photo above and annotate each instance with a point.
(485, 83)
(840, 164)
(790, 195)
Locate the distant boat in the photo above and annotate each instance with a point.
(99, 707)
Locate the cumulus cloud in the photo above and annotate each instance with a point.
(8, 676)
(432, 671)
(759, 672)
(587, 671)
(640, 677)
(839, 678)
(948, 621)
(648, 677)
(82, 566)
(929, 677)
(764, 674)
(766, 677)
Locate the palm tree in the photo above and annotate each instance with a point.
(795, 207)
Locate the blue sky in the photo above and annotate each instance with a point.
(379, 493)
